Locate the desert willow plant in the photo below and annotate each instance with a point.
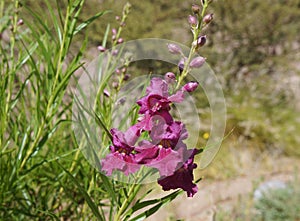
(158, 146)
(40, 177)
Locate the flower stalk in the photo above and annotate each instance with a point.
(196, 30)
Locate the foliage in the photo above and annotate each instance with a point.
(279, 204)
(276, 204)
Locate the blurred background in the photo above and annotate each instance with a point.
(254, 49)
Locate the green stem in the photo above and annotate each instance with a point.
(125, 203)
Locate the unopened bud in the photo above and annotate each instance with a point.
(196, 8)
(115, 52)
(197, 62)
(20, 22)
(106, 93)
(120, 40)
(208, 18)
(101, 48)
(174, 49)
(115, 84)
(201, 40)
(181, 65)
(170, 77)
(124, 69)
(117, 18)
(192, 20)
(114, 31)
(126, 77)
(122, 24)
(118, 71)
(191, 86)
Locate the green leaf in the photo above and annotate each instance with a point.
(84, 193)
(159, 203)
(88, 21)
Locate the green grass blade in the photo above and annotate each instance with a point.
(89, 21)
(84, 193)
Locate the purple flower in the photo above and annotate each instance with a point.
(183, 177)
(165, 160)
(165, 151)
(168, 135)
(122, 151)
(157, 100)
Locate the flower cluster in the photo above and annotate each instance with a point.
(165, 149)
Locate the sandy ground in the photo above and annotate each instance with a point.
(222, 194)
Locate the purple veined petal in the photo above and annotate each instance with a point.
(131, 165)
(111, 163)
(182, 178)
(174, 49)
(177, 97)
(197, 62)
(119, 161)
(166, 161)
(132, 134)
(145, 152)
(190, 86)
(121, 143)
(157, 86)
(143, 103)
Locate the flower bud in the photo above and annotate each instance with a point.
(120, 40)
(196, 9)
(106, 93)
(174, 49)
(197, 62)
(117, 18)
(20, 22)
(115, 52)
(114, 31)
(192, 20)
(115, 84)
(208, 18)
(118, 71)
(181, 66)
(191, 86)
(101, 48)
(124, 69)
(126, 77)
(201, 40)
(170, 77)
